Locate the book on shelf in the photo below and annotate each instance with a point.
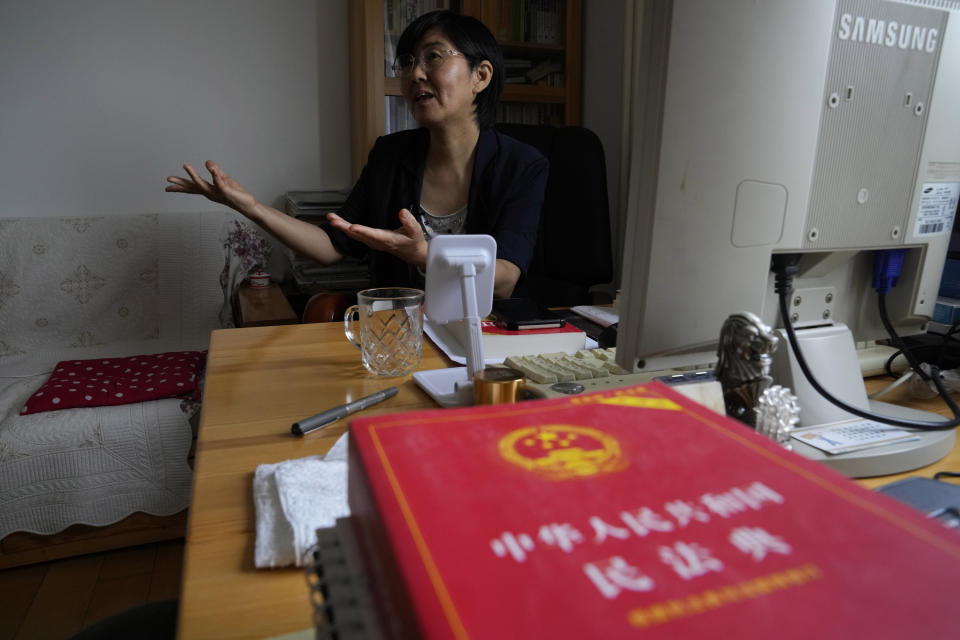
(504, 17)
(397, 114)
(398, 14)
(543, 69)
(518, 16)
(516, 70)
(544, 21)
(535, 21)
(349, 274)
(530, 113)
(499, 343)
(626, 512)
(313, 204)
(517, 63)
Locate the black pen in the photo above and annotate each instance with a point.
(305, 426)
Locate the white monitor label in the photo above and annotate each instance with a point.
(938, 204)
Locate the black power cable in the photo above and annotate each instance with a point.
(895, 338)
(888, 365)
(784, 268)
(939, 353)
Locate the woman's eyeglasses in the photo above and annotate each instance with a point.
(429, 60)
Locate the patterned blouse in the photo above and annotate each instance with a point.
(452, 223)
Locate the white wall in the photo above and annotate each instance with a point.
(100, 100)
(603, 42)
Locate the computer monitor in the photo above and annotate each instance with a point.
(828, 128)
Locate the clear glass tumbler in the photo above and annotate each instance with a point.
(390, 336)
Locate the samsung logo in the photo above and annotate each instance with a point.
(888, 34)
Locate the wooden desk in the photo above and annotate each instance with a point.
(901, 395)
(259, 381)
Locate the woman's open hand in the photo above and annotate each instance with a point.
(223, 190)
(406, 243)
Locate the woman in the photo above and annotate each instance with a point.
(455, 174)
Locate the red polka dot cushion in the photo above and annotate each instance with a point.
(113, 381)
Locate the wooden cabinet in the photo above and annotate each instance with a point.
(263, 306)
(541, 41)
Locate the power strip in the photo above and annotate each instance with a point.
(873, 359)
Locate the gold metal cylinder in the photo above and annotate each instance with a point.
(498, 385)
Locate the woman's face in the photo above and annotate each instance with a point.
(442, 96)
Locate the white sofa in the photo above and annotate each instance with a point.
(97, 287)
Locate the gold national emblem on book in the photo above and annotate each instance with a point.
(563, 451)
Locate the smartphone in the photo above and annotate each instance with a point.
(517, 314)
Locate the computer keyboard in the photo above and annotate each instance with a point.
(550, 368)
(555, 375)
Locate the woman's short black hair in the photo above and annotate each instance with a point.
(472, 38)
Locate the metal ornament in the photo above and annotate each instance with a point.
(743, 364)
(778, 413)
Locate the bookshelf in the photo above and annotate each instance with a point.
(541, 41)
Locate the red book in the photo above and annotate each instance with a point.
(628, 512)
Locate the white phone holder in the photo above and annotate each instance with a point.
(459, 287)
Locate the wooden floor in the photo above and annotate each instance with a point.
(54, 600)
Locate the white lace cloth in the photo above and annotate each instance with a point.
(293, 499)
(92, 466)
(99, 287)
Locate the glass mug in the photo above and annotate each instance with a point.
(390, 336)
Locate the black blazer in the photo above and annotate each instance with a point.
(506, 195)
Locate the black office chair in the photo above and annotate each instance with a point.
(573, 251)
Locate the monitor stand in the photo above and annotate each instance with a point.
(459, 287)
(451, 387)
(889, 458)
(831, 354)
